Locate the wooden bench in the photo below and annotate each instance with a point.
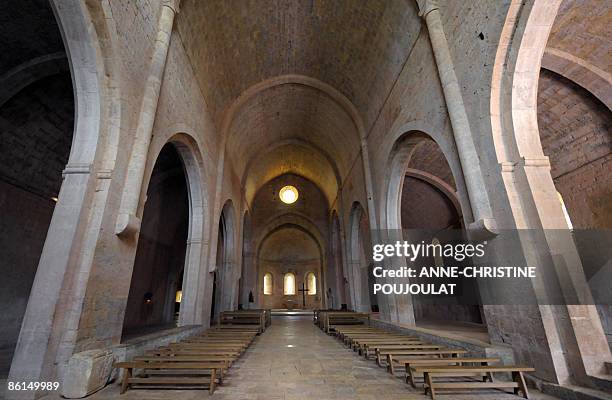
(389, 354)
(517, 384)
(228, 360)
(428, 362)
(245, 317)
(161, 374)
(331, 318)
(367, 348)
(187, 351)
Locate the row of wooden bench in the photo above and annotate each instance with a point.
(198, 362)
(260, 317)
(429, 360)
(325, 319)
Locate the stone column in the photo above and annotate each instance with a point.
(468, 156)
(128, 223)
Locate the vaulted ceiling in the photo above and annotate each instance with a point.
(346, 56)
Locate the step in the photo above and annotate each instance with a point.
(572, 392)
(602, 382)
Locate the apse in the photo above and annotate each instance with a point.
(289, 270)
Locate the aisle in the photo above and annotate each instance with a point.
(294, 360)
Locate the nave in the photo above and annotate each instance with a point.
(295, 360)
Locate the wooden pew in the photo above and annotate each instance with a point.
(391, 354)
(331, 318)
(428, 362)
(255, 318)
(432, 387)
(161, 374)
(373, 347)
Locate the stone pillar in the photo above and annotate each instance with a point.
(468, 156)
(31, 361)
(128, 223)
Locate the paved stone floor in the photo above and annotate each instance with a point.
(294, 360)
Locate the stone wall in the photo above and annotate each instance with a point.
(576, 133)
(290, 250)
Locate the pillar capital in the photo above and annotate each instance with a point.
(172, 4)
(426, 6)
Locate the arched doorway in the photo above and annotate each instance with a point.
(339, 296)
(361, 262)
(247, 281)
(157, 278)
(225, 282)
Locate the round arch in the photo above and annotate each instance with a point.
(358, 254)
(398, 168)
(96, 132)
(225, 269)
(301, 224)
(192, 302)
(529, 189)
(336, 262)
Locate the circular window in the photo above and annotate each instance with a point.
(288, 194)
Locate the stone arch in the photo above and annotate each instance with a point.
(246, 274)
(581, 72)
(302, 224)
(38, 354)
(398, 167)
(532, 196)
(192, 302)
(13, 81)
(360, 259)
(226, 276)
(337, 281)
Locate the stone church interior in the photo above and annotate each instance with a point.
(191, 193)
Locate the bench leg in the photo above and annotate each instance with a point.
(520, 379)
(213, 378)
(429, 385)
(390, 367)
(409, 376)
(126, 377)
(378, 361)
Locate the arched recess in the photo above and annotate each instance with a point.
(191, 303)
(247, 279)
(289, 249)
(161, 254)
(225, 279)
(534, 204)
(416, 159)
(360, 261)
(336, 275)
(399, 166)
(430, 210)
(88, 40)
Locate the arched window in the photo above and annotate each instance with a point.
(565, 213)
(311, 283)
(289, 284)
(267, 283)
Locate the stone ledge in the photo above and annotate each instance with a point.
(480, 348)
(138, 345)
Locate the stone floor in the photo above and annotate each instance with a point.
(294, 360)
